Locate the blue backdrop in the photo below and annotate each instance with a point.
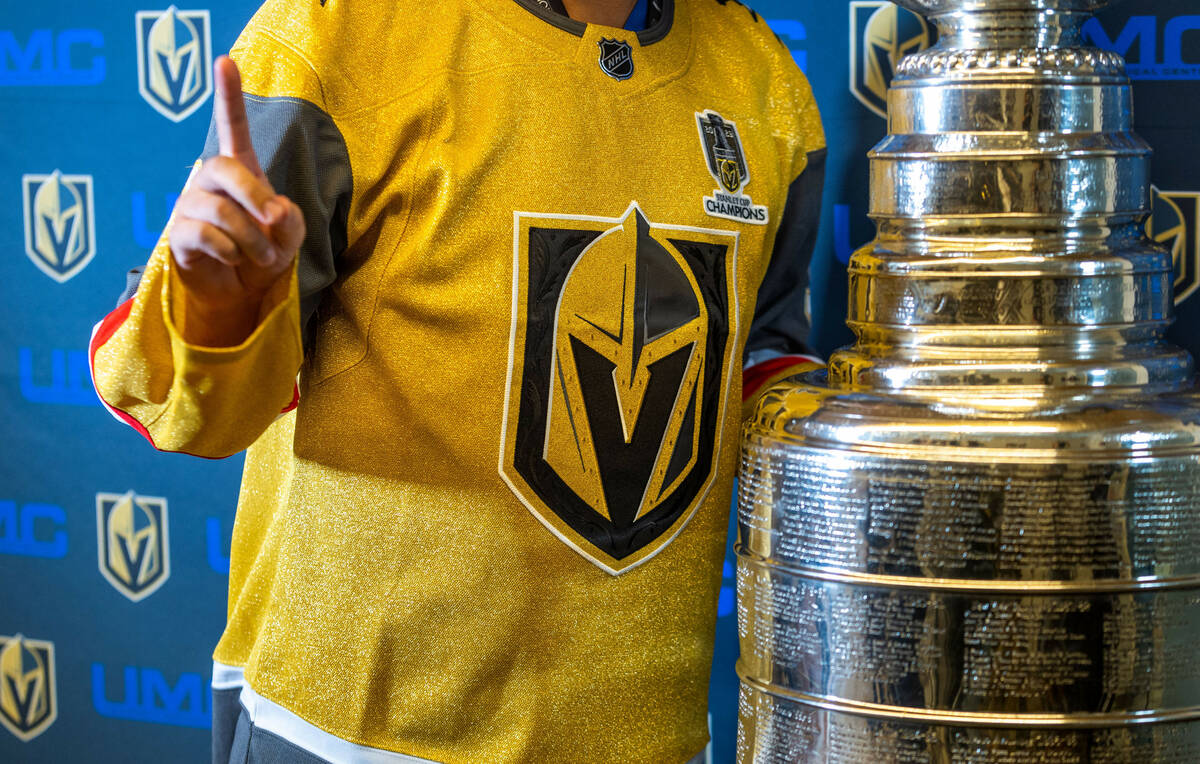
(107, 658)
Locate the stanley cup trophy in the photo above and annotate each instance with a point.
(976, 536)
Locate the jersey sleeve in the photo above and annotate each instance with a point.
(215, 402)
(777, 345)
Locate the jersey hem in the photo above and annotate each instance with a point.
(274, 718)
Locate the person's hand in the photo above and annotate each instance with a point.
(233, 236)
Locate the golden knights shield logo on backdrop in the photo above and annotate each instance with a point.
(60, 215)
(174, 60)
(881, 33)
(1175, 225)
(134, 548)
(28, 696)
(623, 336)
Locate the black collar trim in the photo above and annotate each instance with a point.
(648, 36)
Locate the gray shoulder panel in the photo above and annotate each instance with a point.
(132, 279)
(780, 325)
(304, 156)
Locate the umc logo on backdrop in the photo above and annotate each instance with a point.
(147, 696)
(1153, 46)
(28, 699)
(1175, 225)
(174, 60)
(33, 530)
(134, 548)
(881, 34)
(60, 234)
(50, 58)
(69, 382)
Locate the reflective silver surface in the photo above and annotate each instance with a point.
(975, 537)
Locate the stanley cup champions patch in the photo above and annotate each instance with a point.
(727, 164)
(622, 340)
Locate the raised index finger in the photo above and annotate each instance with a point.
(229, 112)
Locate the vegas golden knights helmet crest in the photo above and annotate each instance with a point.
(1175, 225)
(174, 60)
(133, 545)
(623, 333)
(28, 696)
(881, 33)
(60, 236)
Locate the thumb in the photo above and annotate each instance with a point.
(229, 114)
(287, 231)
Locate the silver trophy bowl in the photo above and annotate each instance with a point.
(975, 536)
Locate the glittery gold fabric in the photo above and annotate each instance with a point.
(386, 584)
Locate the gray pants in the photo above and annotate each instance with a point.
(236, 740)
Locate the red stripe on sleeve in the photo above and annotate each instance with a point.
(295, 401)
(103, 333)
(759, 374)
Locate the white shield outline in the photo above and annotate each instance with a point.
(102, 544)
(516, 483)
(30, 184)
(856, 51)
(1192, 232)
(51, 687)
(204, 18)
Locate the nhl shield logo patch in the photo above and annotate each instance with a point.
(28, 696)
(134, 547)
(174, 60)
(616, 58)
(881, 33)
(1175, 224)
(60, 237)
(622, 340)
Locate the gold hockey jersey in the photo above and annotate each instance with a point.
(491, 526)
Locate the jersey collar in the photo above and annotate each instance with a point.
(648, 36)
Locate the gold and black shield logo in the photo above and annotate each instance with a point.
(133, 542)
(60, 237)
(881, 33)
(174, 60)
(623, 336)
(28, 698)
(731, 175)
(1175, 224)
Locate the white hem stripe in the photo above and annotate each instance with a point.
(227, 677)
(274, 718)
(277, 720)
